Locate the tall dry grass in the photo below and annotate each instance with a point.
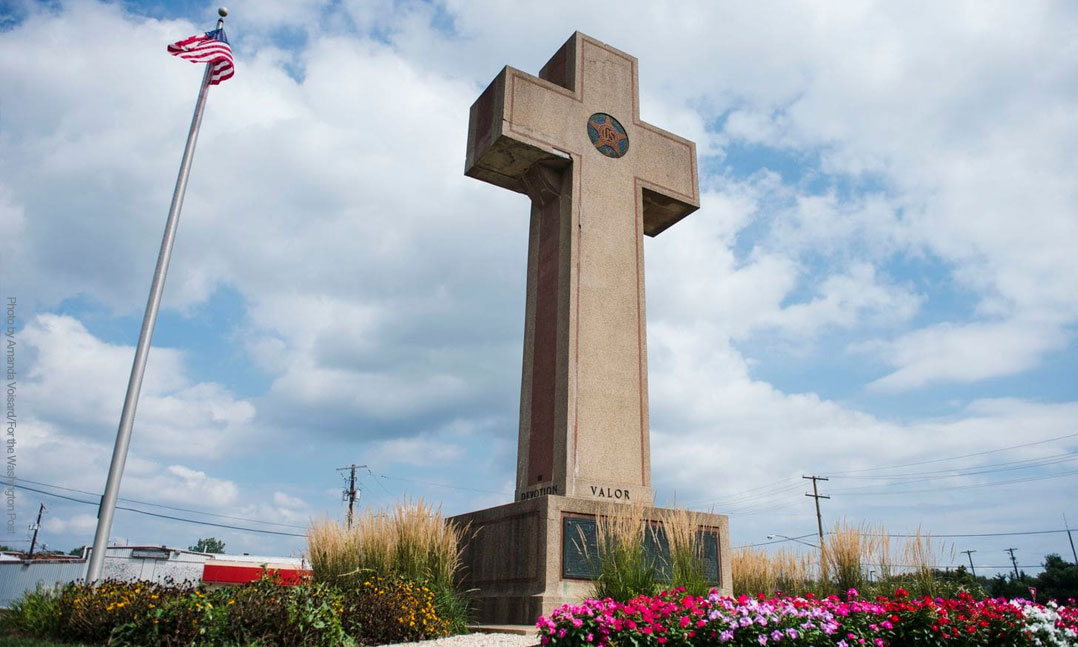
(626, 570)
(686, 558)
(847, 553)
(860, 557)
(410, 540)
(758, 571)
(923, 557)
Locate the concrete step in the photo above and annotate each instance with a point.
(518, 630)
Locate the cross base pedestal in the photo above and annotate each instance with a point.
(523, 560)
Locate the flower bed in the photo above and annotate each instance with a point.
(675, 619)
(374, 611)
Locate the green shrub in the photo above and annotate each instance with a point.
(269, 615)
(35, 614)
(384, 610)
(193, 619)
(90, 613)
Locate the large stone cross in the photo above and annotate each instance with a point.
(599, 178)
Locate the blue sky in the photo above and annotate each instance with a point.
(881, 273)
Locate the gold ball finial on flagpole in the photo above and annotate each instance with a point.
(222, 11)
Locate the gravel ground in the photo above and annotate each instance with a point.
(477, 640)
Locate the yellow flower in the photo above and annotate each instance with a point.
(232, 602)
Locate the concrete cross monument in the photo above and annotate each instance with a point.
(599, 179)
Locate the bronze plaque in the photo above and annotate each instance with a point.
(579, 549)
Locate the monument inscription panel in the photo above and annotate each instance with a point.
(580, 547)
(580, 550)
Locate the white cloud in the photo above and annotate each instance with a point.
(183, 484)
(75, 524)
(286, 501)
(77, 381)
(381, 292)
(965, 353)
(421, 451)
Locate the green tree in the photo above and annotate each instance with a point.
(1008, 586)
(1059, 580)
(208, 545)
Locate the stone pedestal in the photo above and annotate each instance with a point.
(515, 557)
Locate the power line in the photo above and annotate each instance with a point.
(740, 496)
(163, 516)
(861, 492)
(1027, 463)
(924, 535)
(952, 458)
(979, 534)
(167, 507)
(777, 541)
(445, 485)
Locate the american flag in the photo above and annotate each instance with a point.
(211, 47)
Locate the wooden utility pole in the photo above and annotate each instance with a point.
(351, 494)
(819, 520)
(1014, 562)
(969, 554)
(816, 495)
(1067, 526)
(37, 526)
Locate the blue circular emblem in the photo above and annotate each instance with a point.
(608, 135)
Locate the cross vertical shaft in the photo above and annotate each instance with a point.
(598, 178)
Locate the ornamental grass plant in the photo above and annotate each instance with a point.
(756, 570)
(861, 557)
(686, 556)
(847, 551)
(626, 569)
(411, 541)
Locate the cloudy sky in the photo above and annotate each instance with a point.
(879, 286)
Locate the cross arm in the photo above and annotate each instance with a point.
(667, 177)
(508, 132)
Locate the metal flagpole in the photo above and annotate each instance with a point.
(123, 435)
